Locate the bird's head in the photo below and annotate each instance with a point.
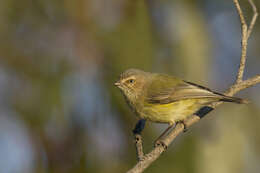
(131, 83)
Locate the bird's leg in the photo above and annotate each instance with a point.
(139, 126)
(158, 141)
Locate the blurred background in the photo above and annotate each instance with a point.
(59, 109)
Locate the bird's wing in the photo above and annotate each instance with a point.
(169, 89)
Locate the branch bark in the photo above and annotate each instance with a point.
(146, 160)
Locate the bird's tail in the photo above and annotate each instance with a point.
(234, 99)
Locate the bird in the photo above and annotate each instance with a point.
(163, 98)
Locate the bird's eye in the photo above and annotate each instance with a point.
(131, 80)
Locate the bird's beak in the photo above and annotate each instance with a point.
(117, 84)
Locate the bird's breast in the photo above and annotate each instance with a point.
(171, 112)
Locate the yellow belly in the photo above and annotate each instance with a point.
(172, 112)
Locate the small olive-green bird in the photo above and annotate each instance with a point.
(165, 99)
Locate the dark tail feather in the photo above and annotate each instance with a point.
(234, 99)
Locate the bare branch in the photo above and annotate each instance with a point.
(147, 160)
(139, 147)
(245, 36)
(138, 138)
(243, 85)
(252, 23)
(243, 42)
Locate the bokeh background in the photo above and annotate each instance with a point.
(59, 110)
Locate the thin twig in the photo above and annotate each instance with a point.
(243, 85)
(139, 147)
(138, 138)
(252, 23)
(240, 84)
(243, 42)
